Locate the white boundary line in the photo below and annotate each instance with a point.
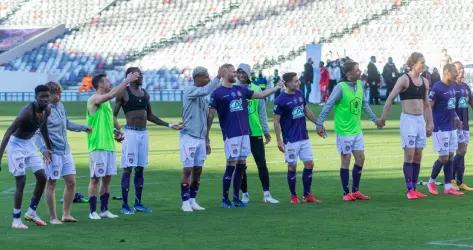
(451, 243)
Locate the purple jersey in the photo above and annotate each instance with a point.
(463, 96)
(443, 110)
(232, 108)
(291, 110)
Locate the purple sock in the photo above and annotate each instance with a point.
(227, 180)
(194, 189)
(408, 175)
(416, 168)
(291, 181)
(307, 180)
(461, 169)
(436, 169)
(125, 187)
(345, 178)
(237, 179)
(356, 175)
(104, 202)
(185, 191)
(93, 204)
(447, 171)
(34, 203)
(139, 181)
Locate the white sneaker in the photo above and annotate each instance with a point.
(94, 216)
(17, 224)
(195, 205)
(267, 198)
(245, 198)
(186, 206)
(108, 214)
(35, 219)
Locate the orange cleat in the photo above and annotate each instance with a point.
(359, 196)
(419, 194)
(452, 191)
(349, 197)
(310, 199)
(295, 200)
(411, 195)
(432, 188)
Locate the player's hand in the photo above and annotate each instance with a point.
(281, 146)
(267, 138)
(132, 77)
(178, 126)
(208, 149)
(320, 131)
(429, 128)
(118, 135)
(280, 85)
(88, 130)
(47, 156)
(379, 123)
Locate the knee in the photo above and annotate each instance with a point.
(291, 168)
(51, 185)
(70, 184)
(360, 160)
(443, 159)
(139, 170)
(309, 164)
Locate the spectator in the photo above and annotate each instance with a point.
(444, 59)
(276, 80)
(334, 75)
(324, 82)
(309, 77)
(86, 83)
(374, 80)
(390, 75)
(435, 75)
(426, 74)
(261, 81)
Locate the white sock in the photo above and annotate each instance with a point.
(448, 186)
(31, 212)
(192, 200)
(246, 194)
(266, 194)
(431, 180)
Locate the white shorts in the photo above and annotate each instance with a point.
(413, 132)
(237, 148)
(135, 148)
(193, 151)
(102, 163)
(346, 144)
(61, 165)
(23, 154)
(298, 150)
(463, 136)
(445, 142)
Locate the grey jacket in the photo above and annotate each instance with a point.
(58, 124)
(334, 97)
(195, 108)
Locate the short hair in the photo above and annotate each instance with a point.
(414, 58)
(348, 66)
(97, 79)
(287, 77)
(449, 67)
(321, 64)
(40, 88)
(199, 71)
(373, 57)
(131, 70)
(227, 66)
(457, 62)
(54, 87)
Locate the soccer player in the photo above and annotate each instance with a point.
(62, 164)
(194, 148)
(444, 139)
(101, 142)
(136, 106)
(23, 154)
(416, 119)
(464, 99)
(348, 99)
(231, 103)
(290, 112)
(258, 128)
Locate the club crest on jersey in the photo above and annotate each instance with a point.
(355, 106)
(56, 173)
(445, 144)
(347, 148)
(292, 157)
(298, 112)
(131, 156)
(236, 105)
(451, 103)
(411, 142)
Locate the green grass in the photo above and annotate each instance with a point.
(388, 221)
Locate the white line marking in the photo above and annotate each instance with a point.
(451, 243)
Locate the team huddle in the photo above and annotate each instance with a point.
(41, 127)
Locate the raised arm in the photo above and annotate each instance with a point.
(99, 99)
(266, 92)
(116, 110)
(195, 92)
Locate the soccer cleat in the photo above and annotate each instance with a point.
(142, 209)
(349, 197)
(245, 198)
(94, 216)
(452, 191)
(17, 224)
(412, 195)
(108, 214)
(419, 194)
(195, 206)
(432, 188)
(295, 200)
(270, 199)
(310, 199)
(239, 203)
(35, 219)
(359, 196)
(465, 187)
(126, 210)
(55, 222)
(226, 203)
(186, 206)
(455, 185)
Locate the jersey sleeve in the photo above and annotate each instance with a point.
(433, 93)
(248, 93)
(213, 100)
(278, 109)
